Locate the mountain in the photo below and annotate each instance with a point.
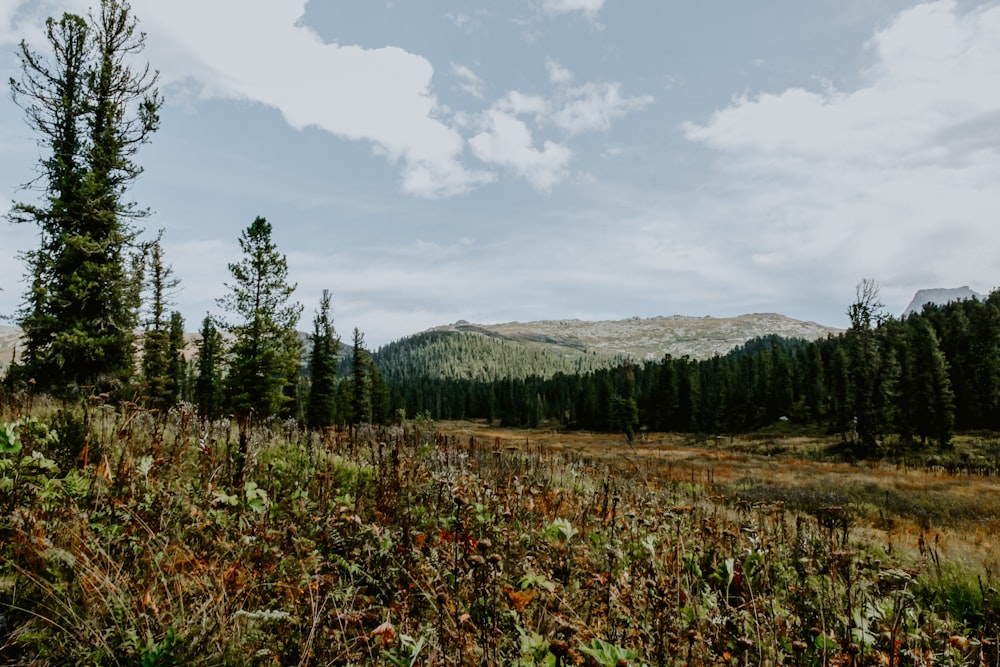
(518, 349)
(651, 338)
(940, 296)
(9, 339)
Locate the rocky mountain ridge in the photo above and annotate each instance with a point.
(650, 338)
(635, 338)
(940, 296)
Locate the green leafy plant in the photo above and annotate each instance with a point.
(607, 654)
(562, 529)
(407, 654)
(161, 654)
(24, 471)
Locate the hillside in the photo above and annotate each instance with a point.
(652, 338)
(518, 349)
(477, 356)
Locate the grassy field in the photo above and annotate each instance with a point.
(894, 503)
(129, 538)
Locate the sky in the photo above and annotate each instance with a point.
(429, 162)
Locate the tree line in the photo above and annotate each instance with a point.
(917, 379)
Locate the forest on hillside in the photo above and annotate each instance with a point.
(481, 358)
(920, 378)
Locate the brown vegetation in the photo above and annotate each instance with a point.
(126, 543)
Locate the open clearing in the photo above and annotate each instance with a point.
(888, 503)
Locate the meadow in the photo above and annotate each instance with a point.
(127, 537)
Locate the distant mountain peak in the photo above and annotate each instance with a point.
(940, 296)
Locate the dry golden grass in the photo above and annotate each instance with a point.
(958, 514)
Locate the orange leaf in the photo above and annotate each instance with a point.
(385, 633)
(521, 599)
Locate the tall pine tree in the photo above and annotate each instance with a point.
(322, 405)
(178, 386)
(380, 399)
(208, 388)
(158, 350)
(265, 353)
(266, 350)
(92, 112)
(868, 403)
(933, 399)
(361, 381)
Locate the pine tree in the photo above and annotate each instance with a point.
(933, 401)
(986, 352)
(688, 395)
(177, 386)
(381, 409)
(840, 406)
(158, 351)
(208, 388)
(814, 389)
(321, 410)
(623, 412)
(265, 351)
(344, 410)
(92, 112)
(865, 358)
(361, 398)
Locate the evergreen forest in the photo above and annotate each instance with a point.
(917, 379)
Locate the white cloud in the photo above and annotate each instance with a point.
(187, 258)
(507, 141)
(588, 7)
(470, 81)
(612, 151)
(592, 106)
(263, 53)
(16, 238)
(935, 71)
(558, 73)
(24, 19)
(894, 178)
(380, 95)
(587, 108)
(518, 103)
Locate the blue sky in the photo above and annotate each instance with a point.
(550, 159)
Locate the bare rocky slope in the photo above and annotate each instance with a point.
(650, 338)
(940, 296)
(8, 344)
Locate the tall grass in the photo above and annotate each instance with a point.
(130, 544)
